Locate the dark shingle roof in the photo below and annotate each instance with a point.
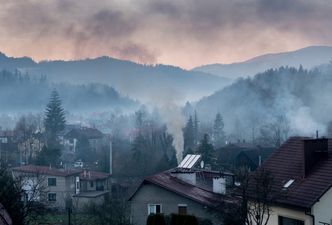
(167, 181)
(90, 133)
(45, 170)
(287, 163)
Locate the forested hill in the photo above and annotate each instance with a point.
(137, 80)
(302, 98)
(25, 93)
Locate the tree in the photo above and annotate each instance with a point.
(254, 198)
(11, 195)
(83, 150)
(188, 135)
(195, 129)
(55, 120)
(206, 149)
(329, 129)
(48, 156)
(276, 132)
(218, 131)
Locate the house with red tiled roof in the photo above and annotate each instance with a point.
(195, 192)
(60, 186)
(302, 179)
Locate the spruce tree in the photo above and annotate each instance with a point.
(218, 131)
(188, 135)
(207, 151)
(55, 120)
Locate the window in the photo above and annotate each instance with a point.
(288, 183)
(51, 197)
(91, 184)
(51, 181)
(289, 221)
(182, 209)
(154, 208)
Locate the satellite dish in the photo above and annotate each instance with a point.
(202, 164)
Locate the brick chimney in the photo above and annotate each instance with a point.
(315, 150)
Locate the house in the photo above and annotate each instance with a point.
(95, 138)
(93, 185)
(302, 179)
(58, 187)
(181, 192)
(243, 154)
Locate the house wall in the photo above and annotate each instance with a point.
(290, 213)
(152, 194)
(322, 209)
(64, 189)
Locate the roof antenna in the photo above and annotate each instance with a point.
(316, 134)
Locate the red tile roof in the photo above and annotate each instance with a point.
(288, 163)
(94, 175)
(47, 170)
(167, 181)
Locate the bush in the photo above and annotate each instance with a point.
(156, 219)
(177, 219)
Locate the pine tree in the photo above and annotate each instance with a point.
(206, 149)
(218, 131)
(188, 135)
(195, 129)
(54, 118)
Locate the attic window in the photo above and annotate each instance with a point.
(289, 183)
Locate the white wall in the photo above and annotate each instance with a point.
(323, 208)
(290, 213)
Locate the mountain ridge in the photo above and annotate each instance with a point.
(308, 57)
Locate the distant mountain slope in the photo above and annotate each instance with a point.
(307, 57)
(301, 97)
(152, 83)
(22, 93)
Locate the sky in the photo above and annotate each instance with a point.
(185, 33)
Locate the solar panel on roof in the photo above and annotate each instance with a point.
(184, 161)
(189, 161)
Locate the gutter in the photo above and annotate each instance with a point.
(311, 215)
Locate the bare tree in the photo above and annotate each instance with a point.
(20, 197)
(276, 132)
(254, 196)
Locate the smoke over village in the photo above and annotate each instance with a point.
(165, 112)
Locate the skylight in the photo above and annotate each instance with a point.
(289, 183)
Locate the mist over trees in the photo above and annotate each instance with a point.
(273, 105)
(27, 93)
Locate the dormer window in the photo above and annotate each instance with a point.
(288, 183)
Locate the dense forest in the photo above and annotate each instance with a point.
(27, 93)
(294, 99)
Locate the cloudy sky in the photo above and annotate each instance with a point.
(185, 33)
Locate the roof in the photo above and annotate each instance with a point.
(287, 163)
(90, 194)
(47, 170)
(166, 181)
(90, 133)
(93, 175)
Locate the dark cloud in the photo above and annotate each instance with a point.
(140, 29)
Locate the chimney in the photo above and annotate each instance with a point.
(219, 185)
(186, 176)
(315, 150)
